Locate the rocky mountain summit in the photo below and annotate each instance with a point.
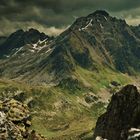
(19, 41)
(92, 43)
(121, 120)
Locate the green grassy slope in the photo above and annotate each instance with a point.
(68, 87)
(60, 112)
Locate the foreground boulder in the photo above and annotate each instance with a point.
(15, 121)
(122, 118)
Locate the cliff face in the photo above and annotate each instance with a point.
(121, 120)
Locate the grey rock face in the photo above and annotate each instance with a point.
(122, 116)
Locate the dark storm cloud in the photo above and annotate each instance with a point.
(60, 13)
(68, 5)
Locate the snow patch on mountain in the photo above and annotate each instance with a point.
(105, 18)
(40, 45)
(18, 50)
(88, 25)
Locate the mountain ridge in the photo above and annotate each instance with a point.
(22, 38)
(95, 41)
(70, 78)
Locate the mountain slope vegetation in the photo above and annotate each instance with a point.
(68, 80)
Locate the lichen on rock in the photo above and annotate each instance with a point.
(15, 120)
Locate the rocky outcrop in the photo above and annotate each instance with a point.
(121, 120)
(21, 38)
(15, 121)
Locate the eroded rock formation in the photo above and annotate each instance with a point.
(122, 118)
(15, 121)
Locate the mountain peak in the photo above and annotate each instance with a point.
(29, 31)
(19, 31)
(84, 22)
(21, 38)
(99, 12)
(96, 39)
(32, 30)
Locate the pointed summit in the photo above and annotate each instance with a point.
(84, 22)
(99, 12)
(21, 38)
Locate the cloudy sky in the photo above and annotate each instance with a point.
(53, 16)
